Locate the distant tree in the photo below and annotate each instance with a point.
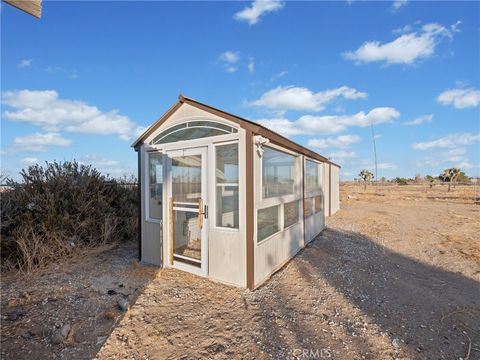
(462, 178)
(382, 179)
(450, 175)
(401, 181)
(418, 179)
(431, 180)
(366, 176)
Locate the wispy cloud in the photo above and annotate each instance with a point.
(252, 14)
(449, 141)
(25, 63)
(44, 108)
(310, 124)
(71, 74)
(299, 98)
(108, 167)
(397, 4)
(251, 64)
(406, 49)
(39, 142)
(229, 60)
(29, 161)
(460, 98)
(342, 141)
(419, 120)
(279, 75)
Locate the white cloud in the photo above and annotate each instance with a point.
(311, 125)
(460, 98)
(229, 59)
(342, 141)
(251, 64)
(108, 167)
(300, 98)
(44, 108)
(453, 157)
(29, 161)
(449, 141)
(258, 8)
(397, 4)
(39, 142)
(341, 155)
(25, 63)
(386, 166)
(419, 120)
(406, 49)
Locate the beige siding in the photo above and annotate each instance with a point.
(335, 189)
(226, 257)
(326, 187)
(314, 225)
(272, 253)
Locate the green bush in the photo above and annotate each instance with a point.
(61, 207)
(401, 181)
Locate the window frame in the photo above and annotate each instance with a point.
(147, 186)
(261, 203)
(313, 193)
(215, 185)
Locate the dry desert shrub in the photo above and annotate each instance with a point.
(60, 208)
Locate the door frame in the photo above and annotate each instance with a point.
(169, 154)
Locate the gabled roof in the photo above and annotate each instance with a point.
(254, 127)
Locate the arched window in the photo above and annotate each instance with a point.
(192, 130)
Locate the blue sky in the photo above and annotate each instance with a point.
(83, 81)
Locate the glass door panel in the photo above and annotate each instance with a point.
(187, 185)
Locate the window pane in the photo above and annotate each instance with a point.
(308, 206)
(290, 214)
(226, 171)
(278, 173)
(318, 204)
(192, 130)
(155, 186)
(227, 206)
(311, 176)
(187, 178)
(267, 222)
(227, 163)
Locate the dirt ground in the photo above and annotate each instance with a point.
(396, 275)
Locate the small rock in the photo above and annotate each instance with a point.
(395, 342)
(123, 304)
(101, 339)
(15, 314)
(61, 334)
(111, 292)
(28, 335)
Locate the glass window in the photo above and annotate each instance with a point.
(318, 203)
(155, 182)
(192, 130)
(290, 214)
(226, 175)
(278, 173)
(311, 176)
(308, 206)
(267, 222)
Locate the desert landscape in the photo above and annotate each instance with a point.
(394, 276)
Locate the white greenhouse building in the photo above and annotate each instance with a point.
(226, 198)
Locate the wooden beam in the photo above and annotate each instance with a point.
(32, 7)
(250, 209)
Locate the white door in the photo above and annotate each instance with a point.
(188, 210)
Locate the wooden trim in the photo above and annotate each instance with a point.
(140, 207)
(250, 208)
(170, 225)
(329, 190)
(32, 7)
(157, 123)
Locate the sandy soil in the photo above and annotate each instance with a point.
(395, 276)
